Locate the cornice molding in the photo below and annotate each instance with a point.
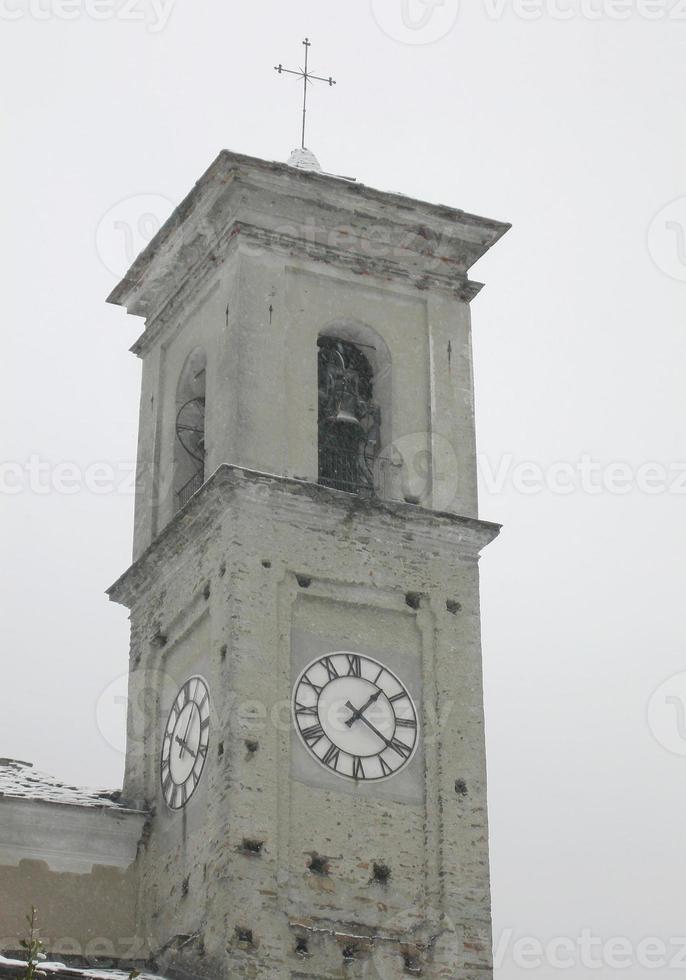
(305, 504)
(332, 220)
(288, 246)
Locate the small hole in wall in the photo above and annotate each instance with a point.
(222, 569)
(304, 581)
(413, 599)
(349, 953)
(381, 873)
(301, 947)
(460, 787)
(318, 865)
(159, 639)
(185, 885)
(220, 750)
(266, 564)
(206, 591)
(253, 846)
(453, 606)
(223, 652)
(410, 499)
(412, 964)
(244, 936)
(252, 745)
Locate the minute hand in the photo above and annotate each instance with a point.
(359, 712)
(373, 727)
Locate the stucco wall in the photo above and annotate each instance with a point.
(76, 865)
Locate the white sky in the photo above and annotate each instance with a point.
(573, 129)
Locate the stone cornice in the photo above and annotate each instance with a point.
(205, 265)
(306, 503)
(313, 214)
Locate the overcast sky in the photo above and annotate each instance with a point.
(567, 119)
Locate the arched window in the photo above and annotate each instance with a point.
(349, 421)
(189, 440)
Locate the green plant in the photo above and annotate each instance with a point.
(33, 947)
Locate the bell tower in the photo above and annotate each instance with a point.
(306, 716)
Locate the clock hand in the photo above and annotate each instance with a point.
(358, 712)
(374, 729)
(184, 743)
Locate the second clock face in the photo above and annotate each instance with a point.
(186, 738)
(355, 716)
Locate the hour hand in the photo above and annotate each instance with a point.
(358, 712)
(182, 742)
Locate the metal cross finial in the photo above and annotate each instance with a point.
(307, 77)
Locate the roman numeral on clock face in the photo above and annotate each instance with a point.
(358, 768)
(313, 734)
(331, 756)
(385, 768)
(330, 668)
(315, 687)
(400, 747)
(305, 709)
(406, 722)
(354, 665)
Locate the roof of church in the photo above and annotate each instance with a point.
(20, 780)
(11, 969)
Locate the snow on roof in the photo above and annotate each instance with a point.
(9, 968)
(21, 780)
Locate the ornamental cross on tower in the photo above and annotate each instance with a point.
(307, 77)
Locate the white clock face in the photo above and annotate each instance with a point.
(355, 716)
(186, 738)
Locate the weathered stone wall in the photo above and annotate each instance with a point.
(235, 588)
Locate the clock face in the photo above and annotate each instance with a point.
(186, 738)
(355, 716)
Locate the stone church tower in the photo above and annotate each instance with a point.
(306, 718)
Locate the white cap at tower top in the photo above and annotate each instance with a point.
(304, 159)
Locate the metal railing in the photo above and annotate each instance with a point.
(352, 472)
(188, 489)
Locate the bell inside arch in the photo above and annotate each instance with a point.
(346, 412)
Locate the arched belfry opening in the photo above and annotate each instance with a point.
(349, 419)
(189, 436)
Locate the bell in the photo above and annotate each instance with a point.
(343, 417)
